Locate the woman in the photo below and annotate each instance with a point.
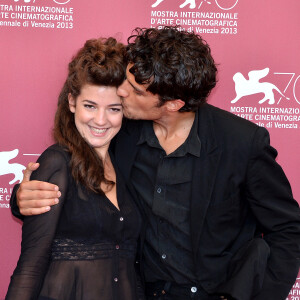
(83, 248)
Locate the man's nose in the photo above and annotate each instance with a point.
(122, 90)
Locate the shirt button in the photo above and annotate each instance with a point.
(116, 279)
(117, 247)
(193, 289)
(164, 256)
(121, 219)
(159, 190)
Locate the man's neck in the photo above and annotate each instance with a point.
(173, 129)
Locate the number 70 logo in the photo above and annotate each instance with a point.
(292, 75)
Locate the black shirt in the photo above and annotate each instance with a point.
(84, 247)
(163, 183)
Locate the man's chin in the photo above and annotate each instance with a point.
(128, 115)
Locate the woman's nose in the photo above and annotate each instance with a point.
(100, 118)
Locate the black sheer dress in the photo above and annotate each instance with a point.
(82, 249)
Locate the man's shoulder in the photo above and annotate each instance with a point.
(226, 128)
(226, 120)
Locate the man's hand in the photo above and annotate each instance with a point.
(36, 197)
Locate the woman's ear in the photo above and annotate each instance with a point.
(72, 103)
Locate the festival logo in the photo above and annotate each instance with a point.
(38, 15)
(25, 1)
(61, 1)
(217, 19)
(11, 168)
(274, 109)
(192, 3)
(56, 1)
(222, 4)
(244, 87)
(295, 291)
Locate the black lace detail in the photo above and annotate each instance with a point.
(67, 249)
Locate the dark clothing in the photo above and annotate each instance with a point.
(163, 184)
(238, 192)
(84, 248)
(161, 290)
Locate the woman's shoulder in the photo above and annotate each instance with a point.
(56, 153)
(55, 160)
(58, 148)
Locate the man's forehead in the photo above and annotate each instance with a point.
(142, 88)
(133, 81)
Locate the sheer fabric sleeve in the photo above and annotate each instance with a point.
(13, 203)
(38, 231)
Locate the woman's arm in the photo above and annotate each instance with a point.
(38, 231)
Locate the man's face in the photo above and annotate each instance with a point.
(137, 102)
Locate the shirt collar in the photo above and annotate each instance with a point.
(191, 145)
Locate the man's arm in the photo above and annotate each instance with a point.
(33, 197)
(278, 215)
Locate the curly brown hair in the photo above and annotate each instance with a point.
(175, 63)
(100, 62)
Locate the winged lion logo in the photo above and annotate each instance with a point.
(8, 168)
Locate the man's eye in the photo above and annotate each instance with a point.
(138, 93)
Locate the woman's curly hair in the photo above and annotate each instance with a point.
(176, 64)
(100, 62)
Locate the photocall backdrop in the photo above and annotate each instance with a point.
(256, 44)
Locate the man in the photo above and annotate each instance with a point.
(220, 220)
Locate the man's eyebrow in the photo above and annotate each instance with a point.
(135, 88)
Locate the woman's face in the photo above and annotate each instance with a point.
(98, 115)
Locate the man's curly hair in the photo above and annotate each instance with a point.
(176, 64)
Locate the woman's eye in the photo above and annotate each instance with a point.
(114, 109)
(89, 106)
